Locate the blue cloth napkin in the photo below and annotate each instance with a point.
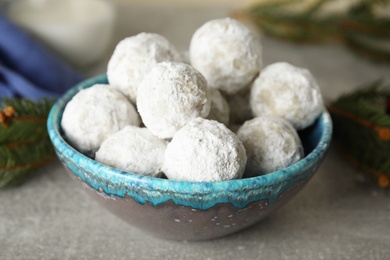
(27, 69)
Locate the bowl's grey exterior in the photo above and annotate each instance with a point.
(188, 210)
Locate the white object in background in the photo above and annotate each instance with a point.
(78, 30)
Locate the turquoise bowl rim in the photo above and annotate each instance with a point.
(198, 195)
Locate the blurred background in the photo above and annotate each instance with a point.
(339, 215)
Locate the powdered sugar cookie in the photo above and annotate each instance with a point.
(133, 149)
(271, 144)
(171, 95)
(95, 113)
(133, 58)
(204, 150)
(227, 53)
(289, 92)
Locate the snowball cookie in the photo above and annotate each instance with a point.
(219, 110)
(133, 149)
(289, 92)
(133, 58)
(95, 113)
(227, 53)
(271, 144)
(171, 95)
(204, 150)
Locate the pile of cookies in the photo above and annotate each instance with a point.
(212, 116)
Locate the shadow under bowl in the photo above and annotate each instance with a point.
(188, 210)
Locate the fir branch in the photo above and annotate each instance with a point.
(316, 7)
(28, 123)
(278, 20)
(12, 157)
(18, 162)
(28, 108)
(24, 141)
(22, 131)
(366, 34)
(368, 102)
(17, 175)
(359, 27)
(362, 129)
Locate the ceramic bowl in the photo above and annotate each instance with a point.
(188, 210)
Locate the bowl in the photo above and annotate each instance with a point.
(188, 210)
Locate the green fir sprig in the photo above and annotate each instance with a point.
(280, 19)
(362, 130)
(24, 141)
(358, 27)
(365, 33)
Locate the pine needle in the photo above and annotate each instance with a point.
(28, 108)
(19, 162)
(358, 27)
(24, 141)
(362, 130)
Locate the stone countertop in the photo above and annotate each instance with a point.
(334, 217)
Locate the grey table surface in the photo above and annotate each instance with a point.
(334, 217)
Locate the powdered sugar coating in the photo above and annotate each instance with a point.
(271, 144)
(133, 149)
(95, 113)
(227, 53)
(204, 150)
(133, 58)
(219, 107)
(171, 95)
(289, 92)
